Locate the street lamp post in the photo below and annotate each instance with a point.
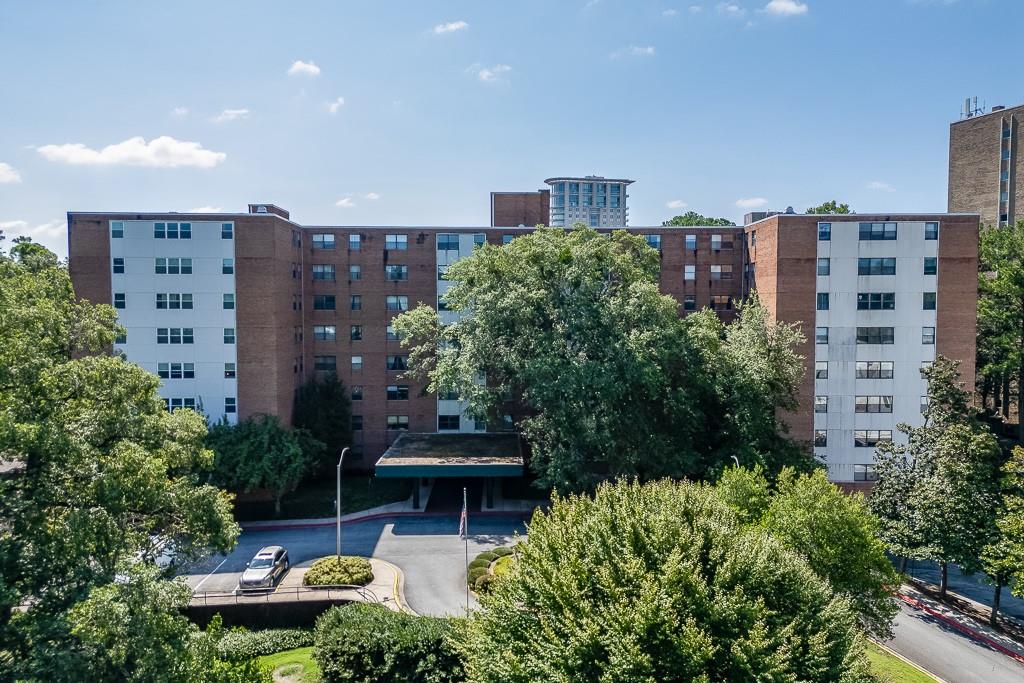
(337, 506)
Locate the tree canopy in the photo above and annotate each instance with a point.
(610, 379)
(659, 582)
(694, 218)
(323, 408)
(829, 207)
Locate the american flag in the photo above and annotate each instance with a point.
(463, 518)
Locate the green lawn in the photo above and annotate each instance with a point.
(891, 669)
(294, 666)
(315, 498)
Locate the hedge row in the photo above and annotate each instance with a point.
(344, 571)
(241, 645)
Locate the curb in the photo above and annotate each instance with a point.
(399, 587)
(966, 630)
(329, 522)
(897, 655)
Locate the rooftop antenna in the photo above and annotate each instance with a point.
(971, 108)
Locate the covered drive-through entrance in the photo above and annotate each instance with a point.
(485, 457)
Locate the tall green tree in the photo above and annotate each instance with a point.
(1001, 311)
(694, 218)
(1003, 558)
(324, 409)
(99, 474)
(659, 582)
(613, 381)
(829, 207)
(937, 495)
(261, 453)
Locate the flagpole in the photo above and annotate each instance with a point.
(465, 517)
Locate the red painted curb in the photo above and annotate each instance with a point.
(379, 515)
(976, 635)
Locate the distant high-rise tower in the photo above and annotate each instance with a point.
(593, 200)
(985, 165)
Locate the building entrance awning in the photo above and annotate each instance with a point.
(452, 455)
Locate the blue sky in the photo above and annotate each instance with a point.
(412, 112)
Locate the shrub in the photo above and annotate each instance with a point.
(479, 563)
(330, 571)
(502, 565)
(502, 551)
(369, 643)
(476, 573)
(240, 645)
(483, 583)
(487, 555)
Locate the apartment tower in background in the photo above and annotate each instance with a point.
(985, 165)
(591, 200)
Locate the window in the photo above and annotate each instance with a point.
(876, 266)
(877, 231)
(121, 338)
(824, 232)
(354, 272)
(398, 362)
(864, 473)
(357, 363)
(325, 363)
(398, 392)
(355, 302)
(821, 335)
(927, 335)
(119, 300)
(689, 272)
(447, 242)
(356, 393)
(824, 266)
(324, 332)
(227, 266)
(324, 302)
(447, 422)
(928, 301)
(820, 438)
(822, 301)
(930, 265)
(448, 396)
(876, 301)
(479, 240)
(174, 266)
(117, 229)
(161, 266)
(357, 422)
(326, 271)
(869, 438)
(931, 231)
(355, 333)
(354, 242)
(176, 370)
(924, 404)
(392, 242)
(821, 404)
(229, 335)
(820, 369)
(874, 369)
(721, 272)
(442, 272)
(118, 265)
(323, 241)
(397, 302)
(505, 239)
(229, 302)
(229, 371)
(442, 305)
(721, 302)
(398, 422)
(396, 272)
(160, 231)
(227, 231)
(691, 242)
(690, 302)
(926, 365)
(653, 241)
(873, 404)
(875, 335)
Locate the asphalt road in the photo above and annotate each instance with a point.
(973, 586)
(949, 654)
(428, 550)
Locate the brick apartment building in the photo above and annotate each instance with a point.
(986, 171)
(236, 311)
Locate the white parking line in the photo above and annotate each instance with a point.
(210, 574)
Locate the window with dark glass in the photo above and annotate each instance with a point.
(930, 265)
(876, 301)
(876, 335)
(876, 266)
(877, 231)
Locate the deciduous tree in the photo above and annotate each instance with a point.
(694, 218)
(324, 409)
(829, 207)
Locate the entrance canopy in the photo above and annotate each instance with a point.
(452, 455)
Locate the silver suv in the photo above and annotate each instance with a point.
(265, 569)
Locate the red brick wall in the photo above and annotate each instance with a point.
(957, 296)
(520, 208)
(89, 256)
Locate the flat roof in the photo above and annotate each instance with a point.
(452, 455)
(860, 217)
(587, 179)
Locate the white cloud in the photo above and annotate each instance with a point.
(372, 195)
(8, 174)
(206, 209)
(301, 68)
(880, 186)
(786, 8)
(231, 115)
(730, 9)
(489, 74)
(696, 9)
(634, 51)
(335, 106)
(751, 202)
(162, 152)
(670, 13)
(52, 234)
(345, 203)
(450, 27)
(179, 112)
(676, 204)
